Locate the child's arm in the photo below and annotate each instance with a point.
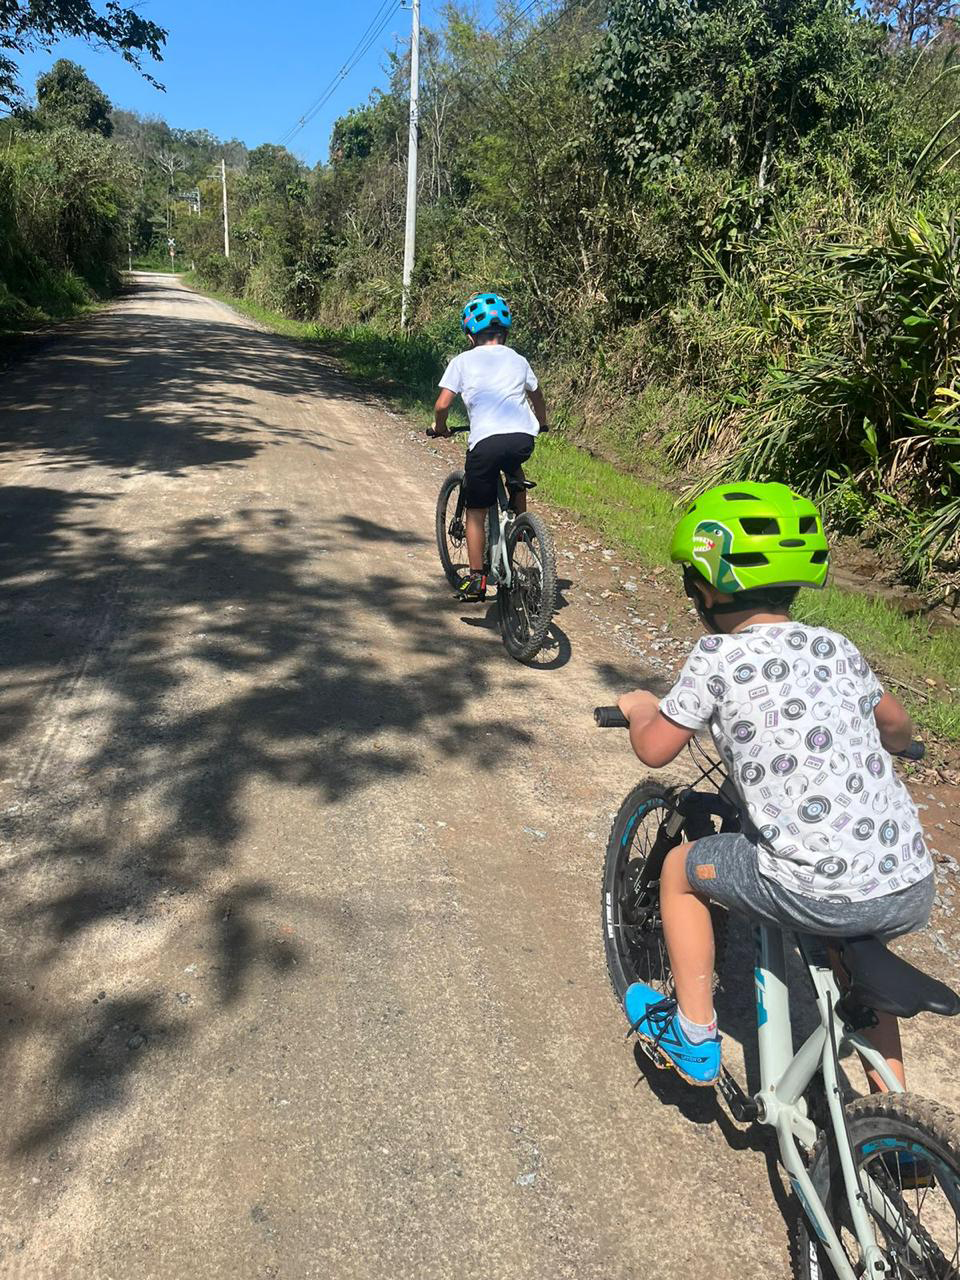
(440, 411)
(539, 406)
(896, 727)
(655, 739)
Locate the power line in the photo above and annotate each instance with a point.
(514, 21)
(371, 34)
(377, 17)
(363, 47)
(374, 29)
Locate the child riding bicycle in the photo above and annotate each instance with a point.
(506, 409)
(831, 842)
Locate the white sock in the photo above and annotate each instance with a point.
(697, 1032)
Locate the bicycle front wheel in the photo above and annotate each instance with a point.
(527, 606)
(451, 528)
(908, 1154)
(633, 940)
(630, 896)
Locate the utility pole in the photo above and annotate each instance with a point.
(410, 228)
(226, 217)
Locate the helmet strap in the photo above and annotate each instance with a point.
(743, 602)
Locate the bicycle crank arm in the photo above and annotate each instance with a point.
(743, 1108)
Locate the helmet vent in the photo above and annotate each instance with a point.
(793, 542)
(808, 524)
(819, 557)
(759, 525)
(746, 559)
(740, 497)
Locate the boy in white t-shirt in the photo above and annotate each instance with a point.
(831, 843)
(506, 409)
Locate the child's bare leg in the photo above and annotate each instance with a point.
(885, 1036)
(688, 930)
(476, 532)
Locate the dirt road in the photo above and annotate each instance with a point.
(300, 966)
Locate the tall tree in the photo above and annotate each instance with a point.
(38, 24)
(67, 96)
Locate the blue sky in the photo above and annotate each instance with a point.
(249, 70)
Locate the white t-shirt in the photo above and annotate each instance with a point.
(493, 381)
(791, 710)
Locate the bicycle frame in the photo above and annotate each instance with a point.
(784, 1078)
(499, 518)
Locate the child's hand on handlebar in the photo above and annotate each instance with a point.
(438, 433)
(641, 704)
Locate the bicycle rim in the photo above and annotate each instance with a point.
(527, 605)
(632, 928)
(917, 1221)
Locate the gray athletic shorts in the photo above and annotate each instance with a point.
(724, 867)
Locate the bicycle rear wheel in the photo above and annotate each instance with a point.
(527, 606)
(451, 528)
(895, 1137)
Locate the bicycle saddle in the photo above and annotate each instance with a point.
(514, 482)
(883, 981)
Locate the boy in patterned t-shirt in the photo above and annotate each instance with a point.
(831, 842)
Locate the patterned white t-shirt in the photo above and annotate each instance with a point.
(791, 710)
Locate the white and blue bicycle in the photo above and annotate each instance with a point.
(876, 1178)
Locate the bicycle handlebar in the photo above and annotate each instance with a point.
(613, 718)
(455, 431)
(610, 718)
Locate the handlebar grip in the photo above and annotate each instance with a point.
(610, 718)
(916, 751)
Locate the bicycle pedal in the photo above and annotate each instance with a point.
(659, 1060)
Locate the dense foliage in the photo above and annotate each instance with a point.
(66, 202)
(86, 190)
(726, 226)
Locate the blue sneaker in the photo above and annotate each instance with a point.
(655, 1021)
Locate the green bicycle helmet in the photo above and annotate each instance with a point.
(749, 536)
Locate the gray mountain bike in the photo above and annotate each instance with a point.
(876, 1178)
(520, 560)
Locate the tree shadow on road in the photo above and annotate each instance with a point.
(166, 682)
(137, 391)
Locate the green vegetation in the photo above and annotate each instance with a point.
(64, 200)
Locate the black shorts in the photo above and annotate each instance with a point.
(488, 458)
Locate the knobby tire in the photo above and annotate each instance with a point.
(453, 553)
(527, 607)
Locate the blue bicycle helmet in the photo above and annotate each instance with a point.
(483, 310)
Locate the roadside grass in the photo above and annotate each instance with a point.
(50, 296)
(639, 518)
